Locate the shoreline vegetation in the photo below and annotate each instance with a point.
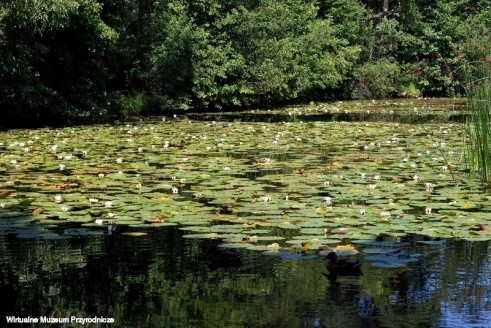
(89, 61)
(478, 128)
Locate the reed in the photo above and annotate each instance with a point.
(478, 128)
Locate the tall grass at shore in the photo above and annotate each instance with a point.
(478, 128)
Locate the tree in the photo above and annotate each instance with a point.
(53, 65)
(289, 51)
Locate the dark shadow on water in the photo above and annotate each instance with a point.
(164, 280)
(329, 117)
(219, 258)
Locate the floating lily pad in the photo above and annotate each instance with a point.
(385, 250)
(290, 256)
(320, 183)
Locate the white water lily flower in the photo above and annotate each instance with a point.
(415, 177)
(444, 167)
(58, 199)
(363, 175)
(226, 168)
(14, 161)
(428, 210)
(265, 199)
(111, 215)
(99, 221)
(140, 149)
(101, 175)
(93, 200)
(377, 177)
(175, 190)
(385, 214)
(372, 186)
(26, 149)
(64, 208)
(286, 197)
(119, 160)
(108, 204)
(2, 205)
(62, 167)
(327, 183)
(363, 212)
(328, 200)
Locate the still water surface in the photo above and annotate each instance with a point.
(164, 280)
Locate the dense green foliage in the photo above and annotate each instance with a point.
(80, 60)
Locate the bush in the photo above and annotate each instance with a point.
(376, 80)
(409, 90)
(132, 105)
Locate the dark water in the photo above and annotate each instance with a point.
(163, 280)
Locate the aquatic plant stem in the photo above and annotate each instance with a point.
(478, 128)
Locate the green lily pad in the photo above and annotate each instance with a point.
(330, 181)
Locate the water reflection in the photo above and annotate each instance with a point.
(163, 280)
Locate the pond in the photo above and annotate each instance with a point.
(164, 280)
(225, 219)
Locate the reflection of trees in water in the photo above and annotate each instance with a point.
(468, 283)
(164, 280)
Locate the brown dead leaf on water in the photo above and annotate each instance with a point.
(37, 211)
(134, 234)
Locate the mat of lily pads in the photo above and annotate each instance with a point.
(269, 186)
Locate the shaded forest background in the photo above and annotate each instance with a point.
(78, 61)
